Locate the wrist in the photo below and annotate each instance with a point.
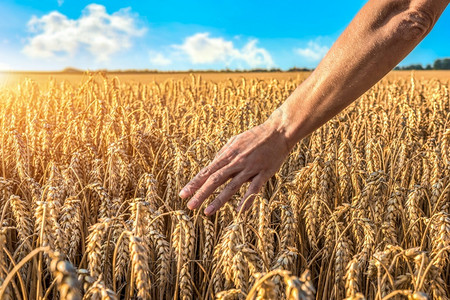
(279, 121)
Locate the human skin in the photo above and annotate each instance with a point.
(378, 38)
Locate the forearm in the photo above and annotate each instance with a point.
(377, 39)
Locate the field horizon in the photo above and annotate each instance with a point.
(9, 79)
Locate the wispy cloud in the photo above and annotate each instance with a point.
(158, 59)
(100, 33)
(313, 52)
(200, 48)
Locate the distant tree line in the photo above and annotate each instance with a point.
(139, 71)
(439, 64)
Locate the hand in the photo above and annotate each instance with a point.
(252, 156)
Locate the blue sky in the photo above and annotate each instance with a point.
(182, 35)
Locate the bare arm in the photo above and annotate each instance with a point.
(380, 36)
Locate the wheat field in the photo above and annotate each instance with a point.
(90, 175)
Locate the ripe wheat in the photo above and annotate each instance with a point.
(89, 176)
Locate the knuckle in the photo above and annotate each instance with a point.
(230, 153)
(199, 196)
(215, 178)
(193, 186)
(194, 200)
(205, 171)
(235, 153)
(232, 186)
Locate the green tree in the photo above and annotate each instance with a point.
(442, 64)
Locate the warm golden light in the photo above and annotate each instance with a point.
(4, 78)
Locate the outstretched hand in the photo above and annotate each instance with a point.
(252, 156)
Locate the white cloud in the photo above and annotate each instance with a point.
(255, 56)
(159, 59)
(313, 52)
(203, 49)
(96, 31)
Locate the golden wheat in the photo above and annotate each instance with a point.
(89, 175)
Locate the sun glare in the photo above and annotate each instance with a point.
(3, 78)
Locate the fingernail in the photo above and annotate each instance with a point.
(209, 210)
(191, 204)
(183, 193)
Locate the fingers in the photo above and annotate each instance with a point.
(209, 186)
(199, 179)
(230, 189)
(221, 160)
(249, 196)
